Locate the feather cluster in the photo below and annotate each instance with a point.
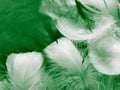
(85, 58)
(96, 23)
(60, 66)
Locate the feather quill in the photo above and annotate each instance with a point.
(65, 69)
(24, 71)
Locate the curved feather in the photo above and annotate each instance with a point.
(65, 70)
(75, 32)
(58, 8)
(24, 71)
(105, 53)
(64, 53)
(108, 6)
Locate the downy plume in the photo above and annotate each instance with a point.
(64, 53)
(65, 70)
(24, 71)
(75, 32)
(104, 53)
(57, 8)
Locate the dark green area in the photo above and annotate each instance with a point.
(23, 28)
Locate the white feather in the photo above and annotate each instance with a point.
(24, 70)
(70, 2)
(109, 6)
(64, 53)
(75, 32)
(105, 54)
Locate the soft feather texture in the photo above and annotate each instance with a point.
(63, 52)
(104, 53)
(62, 78)
(59, 8)
(109, 6)
(75, 32)
(24, 71)
(24, 28)
(64, 69)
